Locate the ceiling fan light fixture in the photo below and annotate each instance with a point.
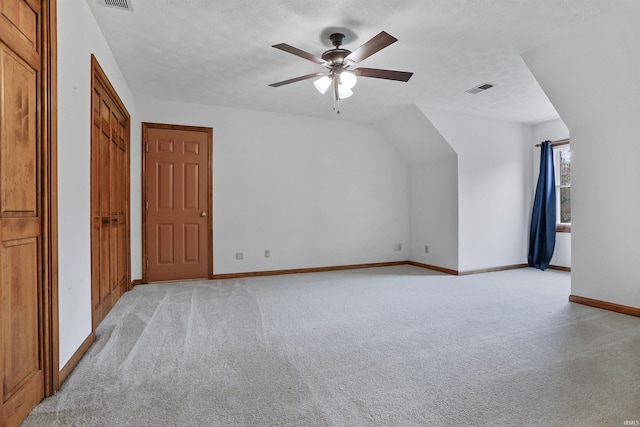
(344, 92)
(348, 79)
(322, 84)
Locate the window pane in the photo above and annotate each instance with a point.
(565, 167)
(565, 205)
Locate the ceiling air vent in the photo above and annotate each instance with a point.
(479, 89)
(118, 4)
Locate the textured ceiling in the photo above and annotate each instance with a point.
(219, 52)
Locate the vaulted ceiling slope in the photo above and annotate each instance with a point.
(219, 52)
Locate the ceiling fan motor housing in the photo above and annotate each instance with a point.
(337, 39)
(335, 56)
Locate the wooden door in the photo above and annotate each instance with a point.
(109, 197)
(21, 218)
(178, 178)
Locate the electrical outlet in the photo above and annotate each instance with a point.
(398, 247)
(426, 249)
(267, 253)
(239, 255)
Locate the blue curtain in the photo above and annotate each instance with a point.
(542, 235)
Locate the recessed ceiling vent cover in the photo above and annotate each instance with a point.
(117, 4)
(479, 89)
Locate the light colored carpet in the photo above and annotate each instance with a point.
(397, 346)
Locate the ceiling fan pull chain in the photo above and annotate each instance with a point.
(336, 104)
(336, 94)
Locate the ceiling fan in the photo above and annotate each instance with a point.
(339, 61)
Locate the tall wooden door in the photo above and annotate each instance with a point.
(178, 222)
(21, 226)
(109, 197)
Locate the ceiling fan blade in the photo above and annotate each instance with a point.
(297, 79)
(401, 76)
(374, 45)
(299, 52)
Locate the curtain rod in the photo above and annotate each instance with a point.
(558, 142)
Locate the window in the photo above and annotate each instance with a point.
(562, 166)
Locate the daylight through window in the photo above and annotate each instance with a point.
(563, 184)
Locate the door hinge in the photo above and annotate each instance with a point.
(147, 262)
(146, 147)
(146, 205)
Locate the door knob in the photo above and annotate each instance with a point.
(203, 213)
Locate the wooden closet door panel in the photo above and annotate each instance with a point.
(19, 162)
(105, 205)
(20, 224)
(96, 218)
(109, 195)
(24, 17)
(121, 217)
(113, 193)
(117, 192)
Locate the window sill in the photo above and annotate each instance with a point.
(564, 228)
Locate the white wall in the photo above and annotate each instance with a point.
(433, 186)
(414, 136)
(314, 192)
(78, 38)
(494, 187)
(551, 130)
(591, 76)
(434, 212)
